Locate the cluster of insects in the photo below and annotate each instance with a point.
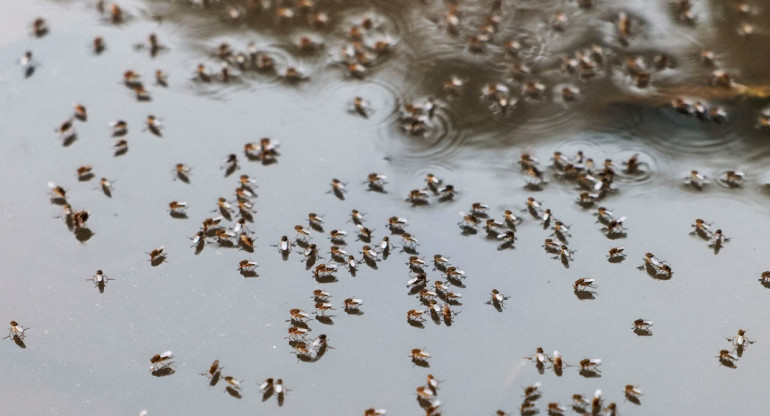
(739, 342)
(368, 42)
(584, 405)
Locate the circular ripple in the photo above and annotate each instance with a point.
(437, 144)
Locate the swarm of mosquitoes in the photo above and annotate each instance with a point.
(438, 300)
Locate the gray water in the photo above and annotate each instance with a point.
(88, 352)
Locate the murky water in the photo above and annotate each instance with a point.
(88, 352)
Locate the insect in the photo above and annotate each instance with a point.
(339, 187)
(415, 315)
(161, 78)
(642, 325)
(584, 284)
(230, 163)
(100, 280)
(320, 295)
(453, 272)
(695, 179)
(352, 304)
(214, 371)
(314, 219)
(498, 298)
(232, 382)
(717, 239)
(632, 391)
(302, 233)
(337, 236)
(177, 207)
(57, 191)
(615, 228)
(157, 255)
(247, 265)
(565, 254)
(369, 253)
(160, 361)
(554, 409)
(726, 358)
(376, 181)
(16, 331)
(539, 357)
(296, 332)
(532, 392)
(616, 253)
(740, 340)
(590, 364)
(375, 412)
(324, 270)
(557, 363)
(447, 192)
(298, 315)
(419, 355)
(246, 242)
(266, 386)
(360, 106)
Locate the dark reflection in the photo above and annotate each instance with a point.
(616, 259)
(468, 230)
(326, 279)
(67, 141)
(178, 215)
(199, 247)
(226, 213)
(317, 227)
(19, 342)
(267, 394)
(420, 362)
(564, 261)
(371, 263)
(354, 311)
(579, 409)
(85, 178)
(633, 399)
(584, 294)
(498, 307)
(587, 373)
(157, 261)
(717, 246)
(83, 234)
(614, 235)
(233, 392)
(163, 372)
(280, 399)
(765, 283)
(230, 170)
(107, 191)
(701, 233)
(29, 71)
(558, 371)
(339, 194)
(304, 358)
(325, 319)
(454, 281)
(248, 273)
(121, 151)
(154, 130)
(376, 188)
(215, 379)
(415, 323)
(309, 263)
(182, 177)
(643, 332)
